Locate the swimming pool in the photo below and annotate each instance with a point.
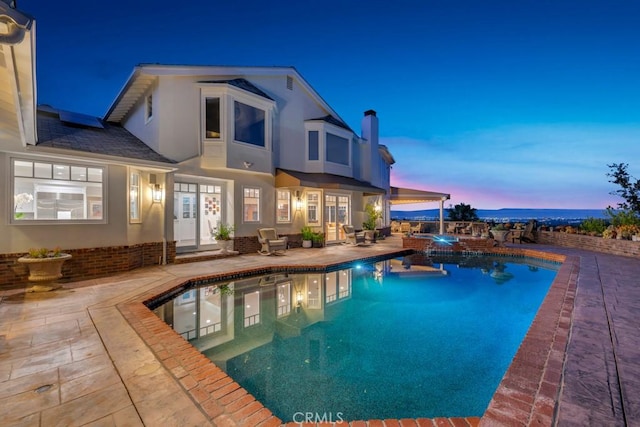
(412, 337)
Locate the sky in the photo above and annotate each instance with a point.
(502, 104)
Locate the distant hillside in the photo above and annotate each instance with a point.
(509, 214)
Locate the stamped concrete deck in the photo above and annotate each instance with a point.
(80, 356)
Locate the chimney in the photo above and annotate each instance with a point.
(370, 128)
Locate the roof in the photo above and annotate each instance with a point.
(289, 178)
(144, 75)
(76, 134)
(243, 84)
(401, 196)
(332, 120)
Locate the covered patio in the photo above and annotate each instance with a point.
(406, 196)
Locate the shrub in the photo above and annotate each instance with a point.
(622, 217)
(593, 225)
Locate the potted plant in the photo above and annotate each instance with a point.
(317, 240)
(499, 233)
(45, 267)
(307, 237)
(223, 236)
(369, 225)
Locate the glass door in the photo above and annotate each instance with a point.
(337, 214)
(211, 207)
(185, 211)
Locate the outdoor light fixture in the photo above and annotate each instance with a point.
(156, 189)
(157, 193)
(298, 200)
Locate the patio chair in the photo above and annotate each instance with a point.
(528, 235)
(405, 227)
(272, 244)
(352, 237)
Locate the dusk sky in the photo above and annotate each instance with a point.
(500, 103)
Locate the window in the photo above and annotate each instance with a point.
(314, 150)
(337, 149)
(212, 118)
(283, 209)
(148, 115)
(57, 191)
(313, 207)
(251, 205)
(249, 124)
(134, 197)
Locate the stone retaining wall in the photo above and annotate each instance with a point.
(591, 243)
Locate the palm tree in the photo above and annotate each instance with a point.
(462, 212)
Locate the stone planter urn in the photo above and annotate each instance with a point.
(226, 246)
(43, 272)
(307, 244)
(500, 236)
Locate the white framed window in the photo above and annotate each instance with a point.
(283, 206)
(337, 149)
(148, 108)
(212, 128)
(251, 204)
(249, 124)
(313, 147)
(57, 192)
(313, 208)
(135, 197)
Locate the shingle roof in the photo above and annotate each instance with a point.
(112, 140)
(243, 84)
(334, 121)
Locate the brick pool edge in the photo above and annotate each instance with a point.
(527, 394)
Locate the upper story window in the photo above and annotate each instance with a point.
(314, 145)
(148, 110)
(337, 149)
(249, 124)
(44, 191)
(212, 118)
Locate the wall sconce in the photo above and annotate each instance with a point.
(156, 189)
(298, 201)
(247, 165)
(157, 193)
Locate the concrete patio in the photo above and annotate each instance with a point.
(70, 357)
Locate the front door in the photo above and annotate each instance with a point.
(336, 214)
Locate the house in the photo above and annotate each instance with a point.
(181, 150)
(254, 147)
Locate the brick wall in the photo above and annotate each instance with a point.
(598, 244)
(91, 262)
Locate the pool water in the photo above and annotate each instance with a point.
(401, 338)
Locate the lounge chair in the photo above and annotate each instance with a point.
(528, 235)
(405, 227)
(272, 244)
(353, 238)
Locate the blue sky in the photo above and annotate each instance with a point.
(500, 103)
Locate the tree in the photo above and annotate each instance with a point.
(462, 212)
(630, 187)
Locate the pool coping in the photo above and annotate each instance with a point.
(527, 394)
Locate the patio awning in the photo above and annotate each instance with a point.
(289, 178)
(404, 196)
